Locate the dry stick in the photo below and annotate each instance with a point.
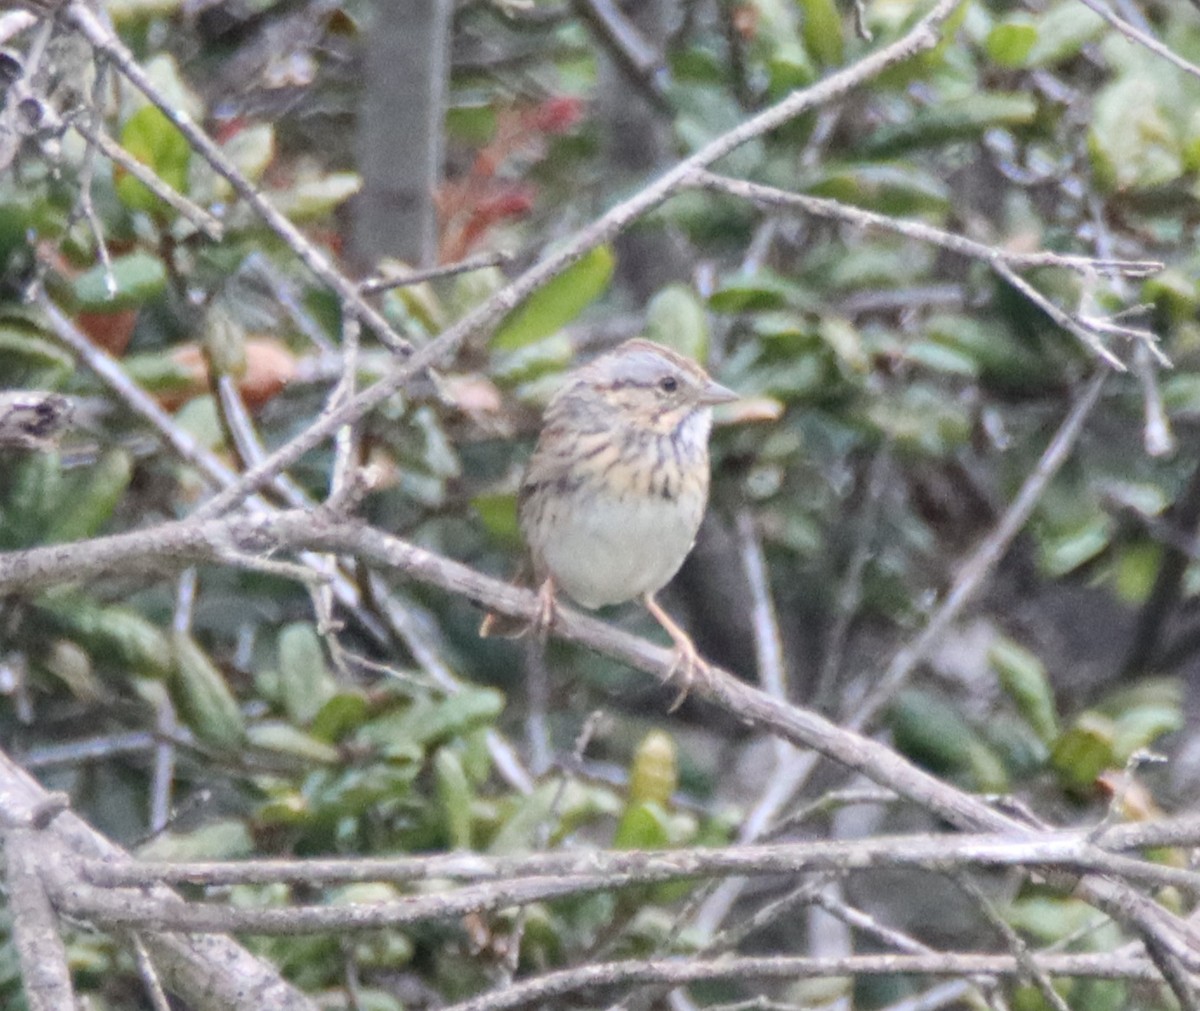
(824, 207)
(1000, 260)
(149, 975)
(86, 178)
(922, 36)
(376, 285)
(1069, 848)
(768, 643)
(933, 999)
(184, 542)
(850, 590)
(102, 38)
(40, 949)
(205, 222)
(556, 985)
(1141, 38)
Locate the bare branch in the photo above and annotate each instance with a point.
(1064, 848)
(40, 948)
(677, 973)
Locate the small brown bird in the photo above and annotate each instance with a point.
(614, 493)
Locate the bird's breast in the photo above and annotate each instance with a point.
(622, 528)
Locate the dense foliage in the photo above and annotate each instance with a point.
(897, 397)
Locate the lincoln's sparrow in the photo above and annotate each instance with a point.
(614, 493)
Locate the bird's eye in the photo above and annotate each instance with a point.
(668, 384)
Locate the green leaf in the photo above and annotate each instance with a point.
(1049, 918)
(643, 826)
(499, 515)
(1062, 551)
(305, 684)
(92, 500)
(1023, 676)
(789, 67)
(1084, 751)
(1133, 146)
(1136, 571)
(138, 277)
(341, 714)
(558, 302)
(654, 773)
(676, 317)
(895, 188)
(1009, 42)
(938, 357)
(315, 198)
(1181, 395)
(34, 494)
(116, 634)
(251, 150)
(1140, 727)
(473, 124)
(284, 739)
(574, 803)
(959, 119)
(933, 733)
(455, 796)
(762, 289)
(122, 11)
(823, 31)
(922, 420)
(30, 361)
(1062, 32)
(203, 697)
(533, 361)
(431, 721)
(156, 142)
(227, 839)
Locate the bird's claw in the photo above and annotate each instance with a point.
(686, 666)
(543, 620)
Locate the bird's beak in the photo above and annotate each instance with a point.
(715, 393)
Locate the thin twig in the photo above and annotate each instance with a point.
(1056, 847)
(1020, 951)
(35, 929)
(1002, 261)
(149, 975)
(1141, 38)
(205, 222)
(555, 985)
(376, 285)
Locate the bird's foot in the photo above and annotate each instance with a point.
(686, 666)
(686, 662)
(516, 628)
(547, 609)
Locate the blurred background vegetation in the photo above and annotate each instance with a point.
(897, 397)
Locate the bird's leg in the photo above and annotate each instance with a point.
(517, 628)
(547, 608)
(686, 661)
